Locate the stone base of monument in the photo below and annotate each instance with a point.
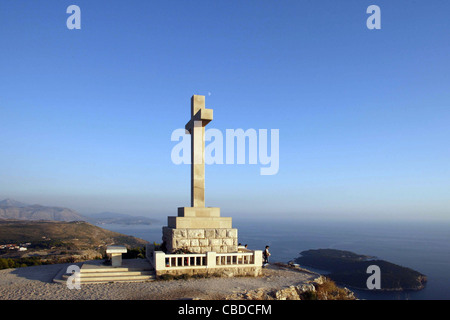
(199, 240)
(200, 230)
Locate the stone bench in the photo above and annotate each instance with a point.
(116, 254)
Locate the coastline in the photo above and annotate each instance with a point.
(350, 268)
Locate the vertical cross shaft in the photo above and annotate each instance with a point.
(200, 117)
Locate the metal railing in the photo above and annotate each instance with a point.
(185, 260)
(239, 258)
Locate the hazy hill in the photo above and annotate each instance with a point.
(11, 209)
(12, 203)
(79, 234)
(15, 210)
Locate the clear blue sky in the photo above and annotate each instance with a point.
(364, 115)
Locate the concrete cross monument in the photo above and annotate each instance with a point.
(199, 229)
(200, 117)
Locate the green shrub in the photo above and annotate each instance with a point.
(135, 253)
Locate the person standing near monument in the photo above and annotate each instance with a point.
(266, 255)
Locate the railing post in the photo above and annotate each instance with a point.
(159, 260)
(257, 257)
(211, 259)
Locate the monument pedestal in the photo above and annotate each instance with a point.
(200, 230)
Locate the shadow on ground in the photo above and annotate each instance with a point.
(45, 273)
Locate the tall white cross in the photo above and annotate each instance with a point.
(200, 117)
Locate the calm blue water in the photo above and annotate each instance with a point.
(423, 246)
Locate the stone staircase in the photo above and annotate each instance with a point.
(132, 270)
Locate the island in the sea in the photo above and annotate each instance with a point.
(350, 269)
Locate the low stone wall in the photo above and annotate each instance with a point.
(201, 240)
(243, 271)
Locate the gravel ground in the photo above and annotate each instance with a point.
(35, 283)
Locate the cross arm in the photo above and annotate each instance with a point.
(203, 115)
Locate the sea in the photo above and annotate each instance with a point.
(422, 246)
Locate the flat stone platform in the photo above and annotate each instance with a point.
(95, 271)
(127, 265)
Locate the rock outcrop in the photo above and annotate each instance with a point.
(320, 288)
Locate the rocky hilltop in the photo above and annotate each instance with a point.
(276, 283)
(29, 243)
(319, 288)
(77, 234)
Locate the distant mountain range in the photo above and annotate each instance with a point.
(15, 210)
(12, 203)
(11, 209)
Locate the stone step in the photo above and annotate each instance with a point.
(133, 270)
(116, 279)
(113, 274)
(132, 265)
(113, 281)
(113, 278)
(113, 270)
